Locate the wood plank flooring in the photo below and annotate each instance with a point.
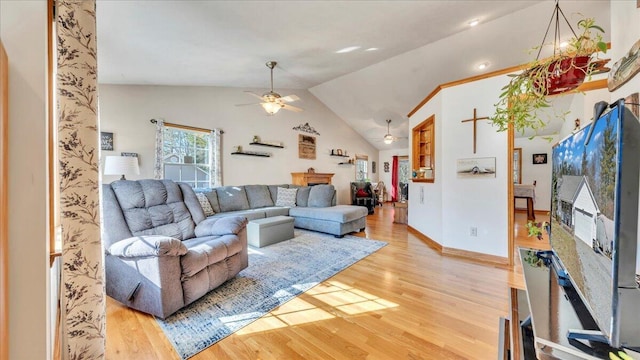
(406, 301)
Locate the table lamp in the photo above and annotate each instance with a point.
(121, 165)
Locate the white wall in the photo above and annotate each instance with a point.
(468, 202)
(540, 173)
(453, 205)
(625, 31)
(126, 110)
(425, 199)
(23, 29)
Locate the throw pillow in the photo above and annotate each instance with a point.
(321, 196)
(362, 193)
(286, 197)
(206, 205)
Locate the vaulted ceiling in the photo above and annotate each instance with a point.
(418, 45)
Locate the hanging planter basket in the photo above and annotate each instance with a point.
(563, 75)
(526, 93)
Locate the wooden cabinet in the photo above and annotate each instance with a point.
(423, 162)
(307, 178)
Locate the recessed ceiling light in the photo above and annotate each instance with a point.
(347, 49)
(372, 49)
(483, 66)
(474, 22)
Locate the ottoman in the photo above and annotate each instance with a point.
(268, 231)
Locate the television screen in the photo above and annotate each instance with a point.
(587, 183)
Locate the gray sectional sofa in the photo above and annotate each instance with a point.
(315, 207)
(161, 252)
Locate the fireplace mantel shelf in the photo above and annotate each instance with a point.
(306, 178)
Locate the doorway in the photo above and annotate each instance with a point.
(403, 178)
(526, 170)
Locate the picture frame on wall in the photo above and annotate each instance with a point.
(476, 168)
(106, 141)
(306, 147)
(538, 159)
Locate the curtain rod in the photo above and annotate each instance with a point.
(185, 127)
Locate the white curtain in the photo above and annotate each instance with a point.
(215, 151)
(158, 166)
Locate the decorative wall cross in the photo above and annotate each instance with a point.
(475, 119)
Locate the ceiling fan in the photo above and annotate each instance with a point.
(272, 102)
(388, 138)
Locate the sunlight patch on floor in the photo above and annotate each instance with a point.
(294, 312)
(344, 298)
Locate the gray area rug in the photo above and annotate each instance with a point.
(276, 274)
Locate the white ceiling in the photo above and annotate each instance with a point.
(226, 43)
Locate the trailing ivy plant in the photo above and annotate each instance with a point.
(526, 93)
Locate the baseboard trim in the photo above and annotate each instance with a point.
(427, 240)
(477, 257)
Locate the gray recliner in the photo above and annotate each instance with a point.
(161, 252)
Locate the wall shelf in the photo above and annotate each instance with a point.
(251, 153)
(345, 163)
(339, 155)
(266, 144)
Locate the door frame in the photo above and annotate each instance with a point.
(591, 85)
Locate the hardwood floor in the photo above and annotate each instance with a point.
(405, 301)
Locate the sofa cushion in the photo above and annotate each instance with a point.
(258, 196)
(232, 198)
(362, 193)
(204, 251)
(206, 205)
(212, 196)
(286, 197)
(154, 207)
(221, 226)
(302, 197)
(273, 190)
(321, 196)
(340, 213)
(250, 214)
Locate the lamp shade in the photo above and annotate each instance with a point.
(271, 107)
(121, 165)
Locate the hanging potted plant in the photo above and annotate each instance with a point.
(526, 93)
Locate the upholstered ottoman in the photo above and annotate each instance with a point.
(268, 231)
(336, 220)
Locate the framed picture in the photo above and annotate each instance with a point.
(373, 167)
(476, 168)
(539, 159)
(106, 141)
(306, 147)
(129, 154)
(386, 166)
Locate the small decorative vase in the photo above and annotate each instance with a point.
(256, 138)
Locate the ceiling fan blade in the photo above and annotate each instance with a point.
(291, 108)
(290, 98)
(248, 104)
(254, 94)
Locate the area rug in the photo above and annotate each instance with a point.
(276, 274)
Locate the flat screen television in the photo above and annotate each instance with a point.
(594, 220)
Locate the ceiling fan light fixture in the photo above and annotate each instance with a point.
(271, 107)
(388, 139)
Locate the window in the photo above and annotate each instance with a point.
(423, 136)
(362, 172)
(517, 166)
(186, 156)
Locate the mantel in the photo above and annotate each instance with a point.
(306, 178)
